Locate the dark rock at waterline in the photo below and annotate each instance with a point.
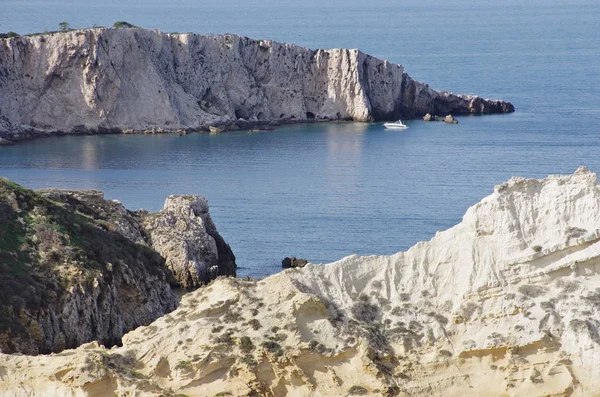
(449, 119)
(292, 262)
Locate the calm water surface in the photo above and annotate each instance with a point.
(326, 191)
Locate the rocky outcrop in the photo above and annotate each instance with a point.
(293, 262)
(68, 278)
(185, 235)
(182, 232)
(112, 80)
(76, 268)
(504, 303)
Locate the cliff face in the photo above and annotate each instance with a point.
(504, 303)
(103, 80)
(75, 267)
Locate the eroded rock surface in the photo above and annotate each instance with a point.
(506, 303)
(185, 235)
(112, 80)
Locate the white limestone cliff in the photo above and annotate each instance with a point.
(112, 80)
(506, 303)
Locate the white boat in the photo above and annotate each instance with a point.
(396, 125)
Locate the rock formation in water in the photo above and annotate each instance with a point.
(185, 235)
(112, 80)
(506, 303)
(76, 268)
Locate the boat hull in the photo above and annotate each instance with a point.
(394, 126)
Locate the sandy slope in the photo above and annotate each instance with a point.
(505, 303)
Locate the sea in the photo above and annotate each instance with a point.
(324, 191)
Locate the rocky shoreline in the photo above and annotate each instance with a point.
(12, 138)
(106, 80)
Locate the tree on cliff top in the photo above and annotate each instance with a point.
(123, 25)
(63, 26)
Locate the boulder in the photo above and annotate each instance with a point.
(428, 117)
(216, 130)
(292, 262)
(450, 120)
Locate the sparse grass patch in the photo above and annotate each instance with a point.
(225, 339)
(249, 360)
(532, 291)
(357, 391)
(255, 324)
(364, 310)
(246, 344)
(273, 348)
(575, 232)
(232, 317)
(183, 364)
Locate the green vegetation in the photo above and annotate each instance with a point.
(357, 391)
(246, 344)
(232, 317)
(45, 249)
(364, 310)
(532, 291)
(63, 26)
(184, 364)
(8, 35)
(249, 360)
(124, 25)
(255, 324)
(273, 348)
(225, 338)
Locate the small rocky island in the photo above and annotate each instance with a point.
(106, 80)
(504, 303)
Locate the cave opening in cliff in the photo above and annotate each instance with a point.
(310, 116)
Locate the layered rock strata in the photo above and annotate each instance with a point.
(504, 303)
(75, 267)
(120, 80)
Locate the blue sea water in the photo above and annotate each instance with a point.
(325, 191)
